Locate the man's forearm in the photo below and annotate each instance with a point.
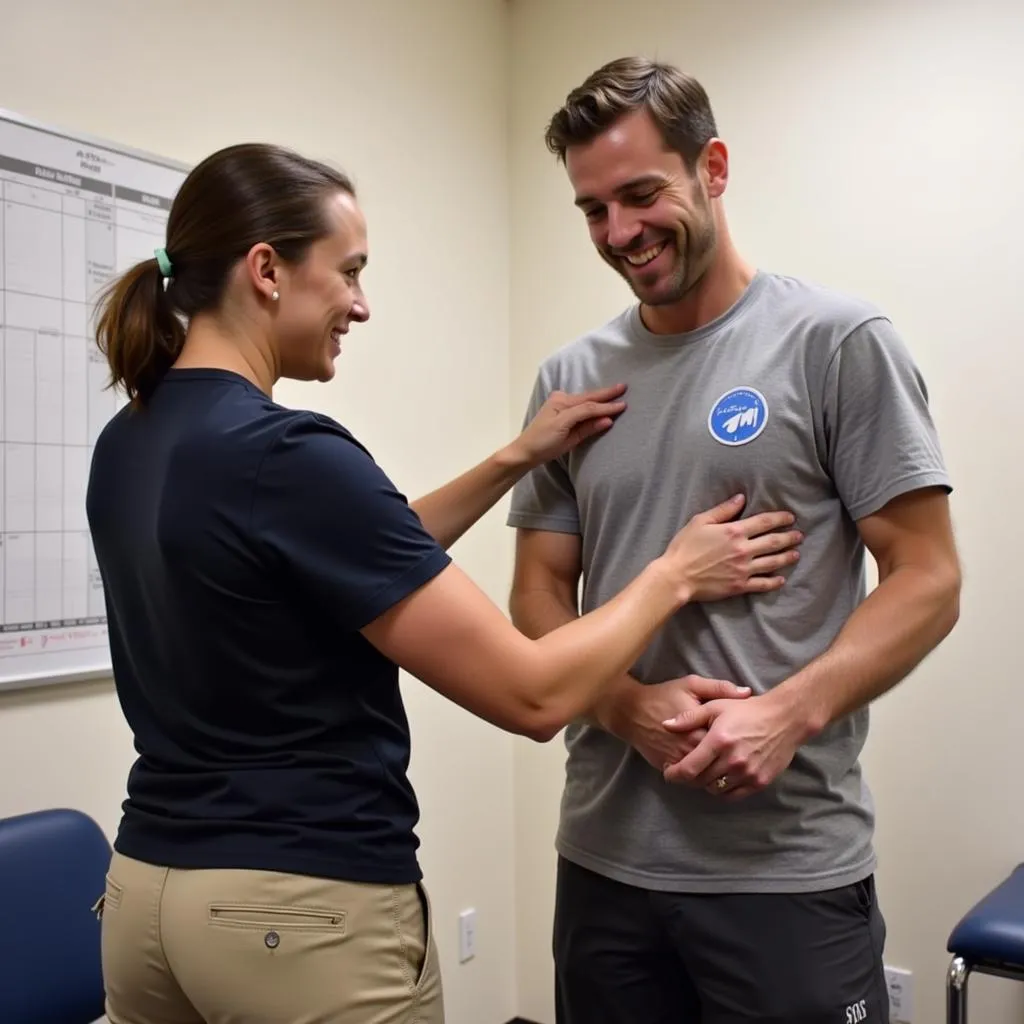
(910, 612)
(451, 510)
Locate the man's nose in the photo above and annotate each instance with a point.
(624, 227)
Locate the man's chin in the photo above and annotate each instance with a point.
(663, 291)
(660, 294)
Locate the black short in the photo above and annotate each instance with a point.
(625, 955)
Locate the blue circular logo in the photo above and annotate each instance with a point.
(738, 416)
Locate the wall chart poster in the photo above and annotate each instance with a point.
(73, 213)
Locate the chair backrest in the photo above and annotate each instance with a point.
(52, 869)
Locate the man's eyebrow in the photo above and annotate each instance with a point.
(627, 186)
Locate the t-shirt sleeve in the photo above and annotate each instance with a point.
(880, 436)
(337, 527)
(544, 499)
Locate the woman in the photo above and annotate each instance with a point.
(265, 581)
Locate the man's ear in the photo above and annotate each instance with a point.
(715, 165)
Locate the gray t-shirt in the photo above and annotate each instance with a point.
(802, 399)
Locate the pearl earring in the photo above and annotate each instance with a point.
(275, 296)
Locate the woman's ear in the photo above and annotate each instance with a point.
(263, 269)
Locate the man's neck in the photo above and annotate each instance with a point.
(716, 293)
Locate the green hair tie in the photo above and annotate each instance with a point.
(163, 262)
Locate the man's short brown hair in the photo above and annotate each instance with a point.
(676, 102)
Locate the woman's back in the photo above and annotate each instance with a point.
(242, 546)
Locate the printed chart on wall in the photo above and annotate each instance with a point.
(73, 213)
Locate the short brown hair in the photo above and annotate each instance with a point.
(231, 201)
(676, 101)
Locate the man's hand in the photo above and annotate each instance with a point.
(747, 746)
(639, 718)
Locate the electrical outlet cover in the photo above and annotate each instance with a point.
(900, 983)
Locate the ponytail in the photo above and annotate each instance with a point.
(138, 331)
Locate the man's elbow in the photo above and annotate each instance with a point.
(536, 611)
(516, 610)
(939, 580)
(939, 591)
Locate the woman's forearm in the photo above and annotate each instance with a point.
(451, 510)
(586, 658)
(561, 423)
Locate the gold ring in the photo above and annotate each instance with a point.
(722, 782)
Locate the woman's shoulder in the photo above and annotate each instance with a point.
(308, 436)
(311, 457)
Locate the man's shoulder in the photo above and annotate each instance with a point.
(587, 351)
(806, 302)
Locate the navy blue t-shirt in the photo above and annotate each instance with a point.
(242, 546)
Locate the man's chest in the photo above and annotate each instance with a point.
(698, 430)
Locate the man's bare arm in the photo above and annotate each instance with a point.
(915, 605)
(545, 596)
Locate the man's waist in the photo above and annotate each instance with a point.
(776, 871)
(623, 810)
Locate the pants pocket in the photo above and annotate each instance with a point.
(109, 898)
(856, 900)
(414, 924)
(270, 917)
(427, 962)
(865, 892)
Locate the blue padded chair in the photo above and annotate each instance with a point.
(53, 866)
(989, 939)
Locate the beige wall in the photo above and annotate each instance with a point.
(411, 98)
(875, 147)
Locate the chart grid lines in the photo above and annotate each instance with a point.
(73, 214)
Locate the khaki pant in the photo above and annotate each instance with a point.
(256, 947)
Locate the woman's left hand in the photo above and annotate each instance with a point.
(566, 420)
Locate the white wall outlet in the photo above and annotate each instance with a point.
(467, 935)
(900, 983)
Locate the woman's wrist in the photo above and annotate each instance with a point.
(678, 582)
(514, 459)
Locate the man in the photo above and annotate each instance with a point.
(726, 874)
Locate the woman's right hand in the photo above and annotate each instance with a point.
(717, 556)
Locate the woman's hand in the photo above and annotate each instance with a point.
(564, 421)
(717, 556)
